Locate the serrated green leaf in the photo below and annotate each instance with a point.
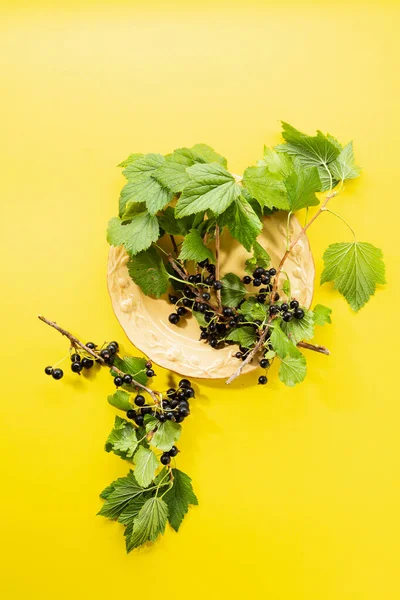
(286, 288)
(193, 248)
(149, 523)
(277, 162)
(118, 495)
(253, 310)
(132, 209)
(301, 186)
(244, 336)
(179, 497)
(292, 370)
(211, 187)
(135, 236)
(203, 152)
(166, 435)
(344, 167)
(172, 175)
(281, 343)
(298, 330)
(200, 319)
(132, 509)
(266, 187)
(260, 258)
(150, 423)
(146, 465)
(312, 151)
(149, 273)
(120, 400)
(233, 290)
(131, 158)
(122, 439)
(355, 268)
(131, 365)
(322, 314)
(242, 222)
(173, 226)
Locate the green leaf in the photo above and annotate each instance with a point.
(132, 509)
(131, 158)
(150, 423)
(135, 236)
(281, 343)
(122, 439)
(312, 151)
(322, 314)
(146, 465)
(292, 370)
(355, 269)
(200, 319)
(211, 187)
(131, 365)
(277, 162)
(120, 399)
(344, 166)
(149, 523)
(173, 226)
(233, 290)
(300, 329)
(142, 186)
(132, 209)
(166, 435)
(244, 336)
(118, 495)
(266, 187)
(205, 153)
(301, 186)
(149, 273)
(260, 258)
(286, 288)
(193, 248)
(179, 497)
(243, 223)
(172, 175)
(253, 310)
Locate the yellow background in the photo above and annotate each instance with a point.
(299, 489)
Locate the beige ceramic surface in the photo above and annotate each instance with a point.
(145, 320)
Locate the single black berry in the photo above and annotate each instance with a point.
(184, 404)
(198, 278)
(181, 311)
(265, 278)
(181, 395)
(165, 459)
(105, 354)
(131, 414)
(272, 272)
(139, 400)
(258, 272)
(112, 348)
(118, 381)
(257, 282)
(213, 342)
(76, 367)
(146, 410)
(276, 297)
(196, 307)
(209, 280)
(187, 302)
(227, 311)
(262, 380)
(171, 392)
(139, 420)
(261, 298)
(203, 335)
(184, 383)
(57, 373)
(273, 310)
(284, 307)
(238, 355)
(173, 299)
(206, 296)
(211, 268)
(184, 412)
(189, 393)
(91, 345)
(264, 363)
(217, 285)
(169, 415)
(87, 363)
(114, 343)
(165, 404)
(161, 417)
(179, 419)
(174, 403)
(203, 263)
(208, 316)
(299, 313)
(202, 307)
(128, 379)
(48, 370)
(173, 318)
(287, 316)
(191, 278)
(212, 327)
(173, 452)
(294, 304)
(75, 358)
(246, 279)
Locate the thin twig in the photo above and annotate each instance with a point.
(177, 268)
(217, 270)
(314, 347)
(251, 354)
(175, 247)
(75, 342)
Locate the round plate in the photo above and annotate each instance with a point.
(177, 347)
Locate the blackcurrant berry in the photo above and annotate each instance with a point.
(112, 348)
(276, 297)
(294, 304)
(57, 373)
(165, 459)
(213, 342)
(150, 373)
(105, 354)
(284, 307)
(173, 299)
(273, 310)
(183, 404)
(181, 395)
(139, 400)
(208, 316)
(258, 272)
(257, 282)
(246, 279)
(203, 263)
(191, 278)
(171, 392)
(202, 307)
(272, 272)
(139, 420)
(188, 303)
(146, 410)
(227, 311)
(87, 363)
(206, 296)
(238, 355)
(161, 417)
(184, 412)
(114, 343)
(263, 291)
(264, 363)
(287, 316)
(265, 279)
(261, 298)
(299, 313)
(173, 318)
(217, 285)
(76, 367)
(212, 328)
(198, 278)
(48, 370)
(179, 419)
(128, 379)
(211, 268)
(189, 393)
(75, 358)
(165, 404)
(209, 280)
(118, 381)
(174, 403)
(173, 452)
(262, 380)
(196, 307)
(91, 345)
(169, 415)
(184, 383)
(203, 335)
(131, 414)
(232, 323)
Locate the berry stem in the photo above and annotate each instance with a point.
(217, 270)
(314, 347)
(175, 247)
(251, 354)
(75, 342)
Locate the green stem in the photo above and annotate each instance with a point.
(344, 221)
(287, 230)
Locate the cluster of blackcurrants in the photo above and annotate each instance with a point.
(174, 408)
(78, 362)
